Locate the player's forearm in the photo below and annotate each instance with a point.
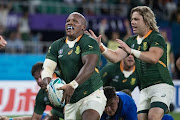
(48, 68)
(111, 55)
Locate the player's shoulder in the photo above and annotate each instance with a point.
(87, 38)
(156, 34)
(131, 39)
(60, 40)
(41, 93)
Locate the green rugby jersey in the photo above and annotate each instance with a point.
(42, 101)
(112, 75)
(69, 61)
(150, 74)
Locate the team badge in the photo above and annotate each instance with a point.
(145, 46)
(133, 80)
(60, 52)
(77, 50)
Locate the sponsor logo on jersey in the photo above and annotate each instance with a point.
(60, 52)
(145, 46)
(115, 79)
(164, 95)
(156, 43)
(70, 51)
(49, 49)
(90, 47)
(77, 50)
(123, 81)
(85, 92)
(133, 80)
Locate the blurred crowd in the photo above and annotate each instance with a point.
(23, 39)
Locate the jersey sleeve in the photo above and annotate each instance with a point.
(90, 46)
(53, 51)
(105, 75)
(158, 41)
(39, 106)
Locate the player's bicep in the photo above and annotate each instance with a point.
(90, 59)
(157, 51)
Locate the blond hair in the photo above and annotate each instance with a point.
(148, 16)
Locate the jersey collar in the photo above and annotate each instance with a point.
(77, 39)
(146, 34)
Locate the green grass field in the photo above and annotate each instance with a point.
(176, 116)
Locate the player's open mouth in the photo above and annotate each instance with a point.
(70, 28)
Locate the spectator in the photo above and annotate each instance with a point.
(15, 43)
(24, 27)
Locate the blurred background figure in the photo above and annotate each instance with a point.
(15, 43)
(170, 54)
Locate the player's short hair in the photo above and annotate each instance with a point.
(110, 92)
(148, 16)
(127, 91)
(83, 18)
(37, 68)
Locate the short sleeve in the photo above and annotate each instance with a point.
(90, 46)
(157, 41)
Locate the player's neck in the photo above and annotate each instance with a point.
(144, 33)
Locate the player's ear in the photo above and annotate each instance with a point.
(117, 99)
(83, 27)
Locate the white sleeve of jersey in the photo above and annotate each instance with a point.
(48, 68)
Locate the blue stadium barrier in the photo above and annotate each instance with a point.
(18, 66)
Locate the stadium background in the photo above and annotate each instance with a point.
(30, 26)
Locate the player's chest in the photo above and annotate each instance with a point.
(66, 53)
(143, 46)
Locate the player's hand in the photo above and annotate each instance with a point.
(4, 118)
(68, 92)
(2, 42)
(91, 33)
(124, 46)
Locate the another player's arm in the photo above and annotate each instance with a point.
(151, 56)
(111, 55)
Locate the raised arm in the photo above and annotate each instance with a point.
(111, 55)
